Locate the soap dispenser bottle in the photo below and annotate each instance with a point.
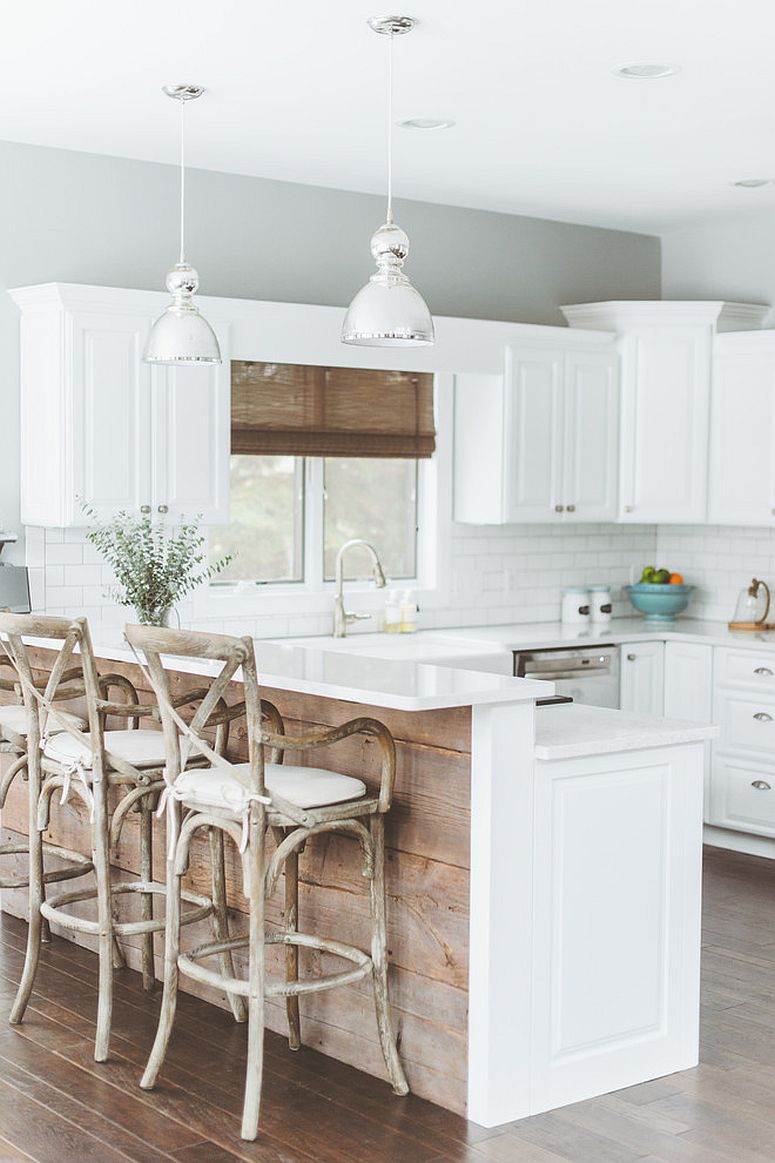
(392, 618)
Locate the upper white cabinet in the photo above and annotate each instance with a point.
(539, 443)
(102, 427)
(742, 430)
(666, 350)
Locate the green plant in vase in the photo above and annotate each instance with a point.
(155, 565)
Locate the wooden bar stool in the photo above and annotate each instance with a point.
(13, 741)
(244, 800)
(93, 764)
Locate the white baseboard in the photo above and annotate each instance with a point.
(739, 841)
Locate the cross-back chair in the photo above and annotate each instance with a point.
(99, 766)
(13, 741)
(244, 800)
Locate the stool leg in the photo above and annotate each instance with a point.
(380, 960)
(105, 905)
(291, 881)
(221, 919)
(146, 898)
(35, 897)
(255, 1064)
(171, 951)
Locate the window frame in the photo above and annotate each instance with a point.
(314, 595)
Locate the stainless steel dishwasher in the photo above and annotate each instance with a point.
(588, 674)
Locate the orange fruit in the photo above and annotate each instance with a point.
(676, 579)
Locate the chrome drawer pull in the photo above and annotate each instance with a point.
(631, 657)
(763, 670)
(763, 717)
(761, 785)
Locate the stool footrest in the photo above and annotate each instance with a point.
(81, 864)
(188, 964)
(54, 909)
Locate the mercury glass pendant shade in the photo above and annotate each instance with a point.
(388, 311)
(181, 334)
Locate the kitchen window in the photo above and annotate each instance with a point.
(300, 489)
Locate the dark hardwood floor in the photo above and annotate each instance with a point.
(58, 1106)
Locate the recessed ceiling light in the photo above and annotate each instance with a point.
(645, 72)
(425, 123)
(754, 183)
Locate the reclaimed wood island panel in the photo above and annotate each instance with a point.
(427, 870)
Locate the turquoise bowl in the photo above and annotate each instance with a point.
(660, 603)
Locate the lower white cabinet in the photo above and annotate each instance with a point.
(642, 687)
(689, 681)
(616, 920)
(742, 794)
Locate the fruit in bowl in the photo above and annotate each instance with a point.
(660, 594)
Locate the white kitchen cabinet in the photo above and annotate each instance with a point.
(616, 945)
(742, 430)
(540, 443)
(688, 681)
(102, 427)
(643, 677)
(665, 400)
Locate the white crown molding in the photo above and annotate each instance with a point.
(622, 315)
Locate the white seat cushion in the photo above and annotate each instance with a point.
(140, 748)
(15, 719)
(306, 787)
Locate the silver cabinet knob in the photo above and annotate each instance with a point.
(571, 508)
(628, 508)
(559, 508)
(164, 508)
(763, 717)
(761, 785)
(763, 670)
(631, 657)
(145, 508)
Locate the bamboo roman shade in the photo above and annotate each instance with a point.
(299, 410)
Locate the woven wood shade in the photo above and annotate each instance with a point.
(297, 410)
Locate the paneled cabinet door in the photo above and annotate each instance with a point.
(591, 436)
(664, 428)
(642, 677)
(742, 439)
(534, 428)
(111, 434)
(689, 681)
(191, 440)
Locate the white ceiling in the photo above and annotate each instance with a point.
(296, 92)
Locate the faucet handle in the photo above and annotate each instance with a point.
(351, 617)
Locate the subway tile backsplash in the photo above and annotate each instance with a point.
(496, 575)
(510, 574)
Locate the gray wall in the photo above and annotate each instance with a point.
(76, 217)
(728, 259)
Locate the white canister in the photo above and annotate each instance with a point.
(575, 606)
(600, 604)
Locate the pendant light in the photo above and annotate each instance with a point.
(388, 311)
(181, 334)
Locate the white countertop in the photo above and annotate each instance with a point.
(403, 684)
(571, 730)
(430, 645)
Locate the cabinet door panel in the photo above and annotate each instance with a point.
(591, 436)
(689, 681)
(742, 444)
(534, 380)
(112, 436)
(642, 681)
(743, 795)
(192, 441)
(664, 434)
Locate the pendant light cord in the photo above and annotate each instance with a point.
(389, 218)
(182, 185)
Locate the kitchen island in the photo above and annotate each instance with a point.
(532, 861)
